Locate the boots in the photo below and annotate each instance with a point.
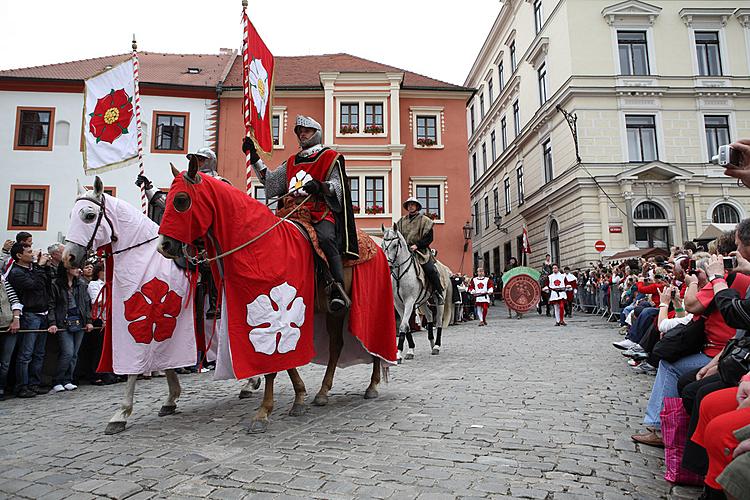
(338, 301)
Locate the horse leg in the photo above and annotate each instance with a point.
(170, 405)
(117, 423)
(251, 385)
(335, 326)
(405, 330)
(260, 420)
(372, 389)
(410, 341)
(430, 334)
(298, 407)
(438, 337)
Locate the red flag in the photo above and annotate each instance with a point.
(257, 75)
(526, 244)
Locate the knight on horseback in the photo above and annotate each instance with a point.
(416, 228)
(316, 178)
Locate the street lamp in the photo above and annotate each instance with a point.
(468, 228)
(498, 224)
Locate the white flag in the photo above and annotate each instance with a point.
(109, 120)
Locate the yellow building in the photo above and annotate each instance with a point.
(656, 87)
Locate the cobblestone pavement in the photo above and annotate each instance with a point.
(518, 408)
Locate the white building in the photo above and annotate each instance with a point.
(656, 87)
(41, 112)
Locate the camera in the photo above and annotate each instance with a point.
(728, 157)
(730, 263)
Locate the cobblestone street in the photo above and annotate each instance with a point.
(518, 408)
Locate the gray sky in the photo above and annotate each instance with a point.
(438, 38)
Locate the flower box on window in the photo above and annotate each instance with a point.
(348, 129)
(374, 209)
(432, 216)
(374, 129)
(355, 209)
(426, 141)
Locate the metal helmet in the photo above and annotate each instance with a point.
(207, 153)
(412, 199)
(306, 121)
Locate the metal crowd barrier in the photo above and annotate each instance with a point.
(615, 307)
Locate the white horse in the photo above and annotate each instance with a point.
(410, 292)
(137, 273)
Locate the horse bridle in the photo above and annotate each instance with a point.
(102, 215)
(394, 265)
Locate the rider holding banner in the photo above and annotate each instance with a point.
(316, 178)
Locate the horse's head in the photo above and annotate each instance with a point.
(188, 213)
(88, 229)
(393, 243)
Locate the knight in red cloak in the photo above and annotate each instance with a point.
(317, 171)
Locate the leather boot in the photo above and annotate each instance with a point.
(338, 301)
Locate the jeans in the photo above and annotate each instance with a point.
(7, 345)
(31, 353)
(665, 385)
(625, 311)
(69, 342)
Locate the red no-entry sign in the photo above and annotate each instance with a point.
(600, 246)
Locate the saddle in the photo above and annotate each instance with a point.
(302, 218)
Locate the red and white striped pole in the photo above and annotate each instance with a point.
(142, 171)
(246, 89)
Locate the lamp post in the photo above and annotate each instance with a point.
(468, 228)
(499, 223)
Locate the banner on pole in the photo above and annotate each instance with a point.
(109, 124)
(257, 72)
(526, 243)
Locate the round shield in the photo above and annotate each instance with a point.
(521, 293)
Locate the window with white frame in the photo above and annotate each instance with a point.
(484, 157)
(717, 133)
(374, 118)
(481, 106)
(516, 118)
(490, 89)
(501, 75)
(427, 130)
(708, 52)
(429, 196)
(724, 213)
(513, 61)
(354, 193)
(471, 117)
(542, 78)
(633, 51)
(276, 128)
(506, 192)
(477, 230)
(493, 146)
(474, 166)
(641, 132)
(496, 200)
(519, 180)
(349, 118)
(547, 161)
(504, 133)
(374, 195)
(538, 21)
(486, 212)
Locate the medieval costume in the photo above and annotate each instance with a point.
(571, 287)
(416, 229)
(481, 288)
(316, 178)
(557, 295)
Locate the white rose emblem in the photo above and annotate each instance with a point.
(257, 77)
(280, 312)
(300, 179)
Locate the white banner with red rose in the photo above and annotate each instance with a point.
(109, 123)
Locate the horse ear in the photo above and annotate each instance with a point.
(175, 172)
(394, 227)
(98, 187)
(382, 228)
(193, 168)
(81, 189)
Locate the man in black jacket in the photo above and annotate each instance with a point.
(29, 280)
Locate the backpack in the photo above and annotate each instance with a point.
(6, 313)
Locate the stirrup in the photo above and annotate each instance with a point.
(341, 303)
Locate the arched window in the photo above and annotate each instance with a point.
(648, 211)
(554, 242)
(724, 213)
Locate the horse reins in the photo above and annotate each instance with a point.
(411, 261)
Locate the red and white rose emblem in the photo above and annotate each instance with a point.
(112, 116)
(153, 312)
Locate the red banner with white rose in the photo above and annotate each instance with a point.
(257, 77)
(109, 119)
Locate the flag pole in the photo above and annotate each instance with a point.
(137, 99)
(246, 91)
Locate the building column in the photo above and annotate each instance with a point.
(604, 214)
(680, 188)
(627, 193)
(394, 133)
(396, 155)
(327, 79)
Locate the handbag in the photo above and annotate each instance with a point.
(734, 361)
(674, 430)
(681, 341)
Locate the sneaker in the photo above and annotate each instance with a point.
(409, 354)
(39, 390)
(70, 387)
(623, 330)
(58, 388)
(25, 392)
(645, 368)
(633, 351)
(633, 362)
(624, 344)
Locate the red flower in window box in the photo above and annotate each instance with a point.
(426, 141)
(374, 129)
(152, 312)
(374, 209)
(348, 129)
(432, 216)
(112, 116)
(355, 208)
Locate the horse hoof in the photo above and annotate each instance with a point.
(258, 426)
(114, 428)
(432, 343)
(371, 393)
(167, 410)
(409, 356)
(298, 409)
(320, 400)
(256, 383)
(245, 394)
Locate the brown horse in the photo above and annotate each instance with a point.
(229, 221)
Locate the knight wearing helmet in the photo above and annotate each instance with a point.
(319, 172)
